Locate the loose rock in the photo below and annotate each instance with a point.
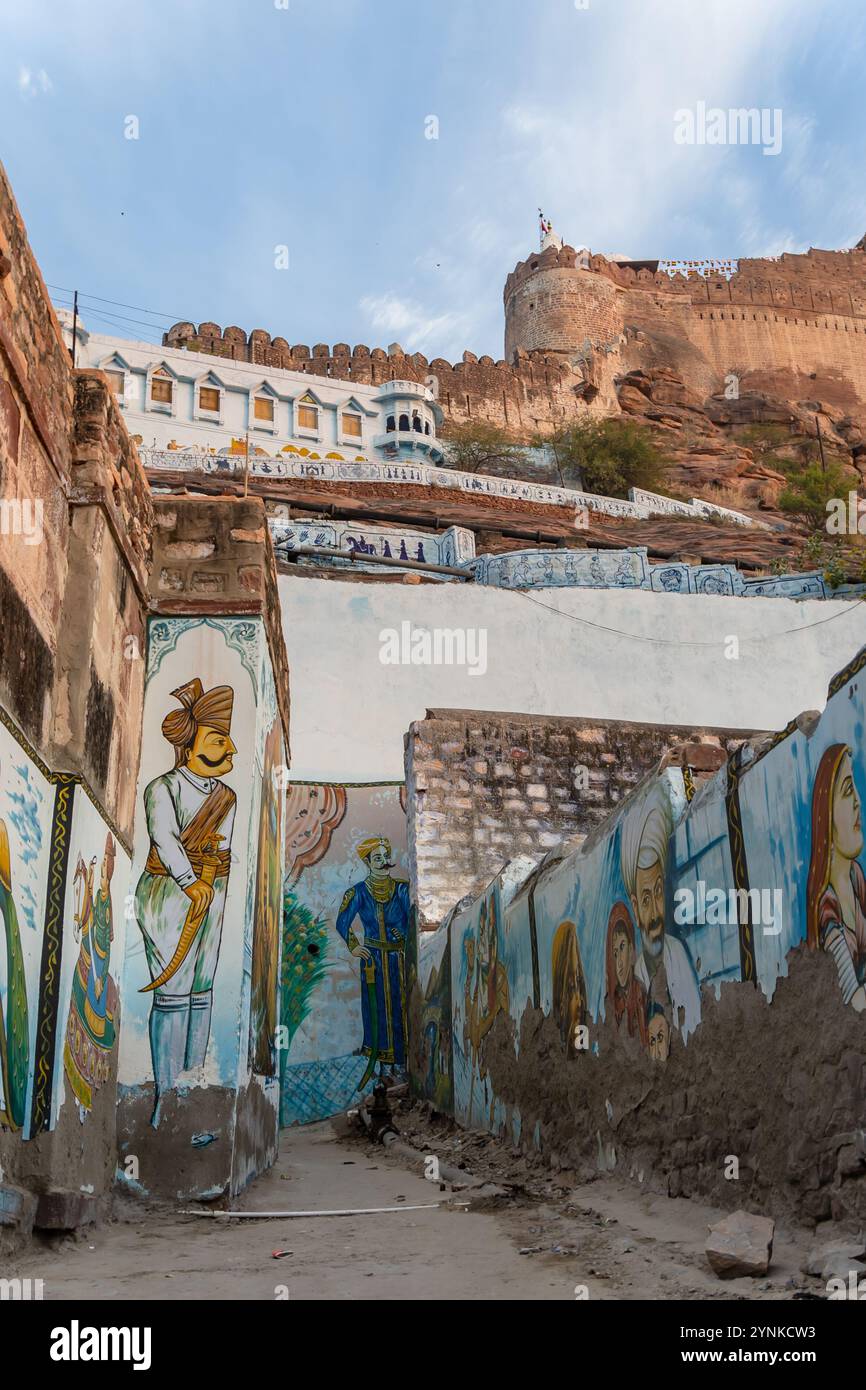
(740, 1244)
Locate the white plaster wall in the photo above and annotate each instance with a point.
(350, 712)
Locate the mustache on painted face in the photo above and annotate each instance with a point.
(215, 762)
(653, 935)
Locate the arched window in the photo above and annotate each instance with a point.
(404, 423)
(389, 424)
(426, 426)
(416, 423)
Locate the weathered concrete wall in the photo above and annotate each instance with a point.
(584, 654)
(679, 1000)
(482, 787)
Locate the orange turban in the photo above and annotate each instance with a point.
(365, 849)
(212, 708)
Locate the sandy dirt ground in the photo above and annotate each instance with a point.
(532, 1238)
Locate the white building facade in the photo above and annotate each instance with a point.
(176, 401)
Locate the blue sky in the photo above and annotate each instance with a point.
(304, 126)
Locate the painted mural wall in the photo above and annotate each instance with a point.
(346, 923)
(63, 881)
(624, 944)
(88, 1025)
(430, 1046)
(202, 930)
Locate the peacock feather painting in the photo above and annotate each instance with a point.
(14, 1027)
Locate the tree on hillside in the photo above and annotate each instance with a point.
(808, 491)
(608, 457)
(478, 445)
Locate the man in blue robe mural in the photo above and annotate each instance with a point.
(381, 904)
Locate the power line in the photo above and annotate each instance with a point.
(259, 371)
(115, 319)
(665, 642)
(139, 308)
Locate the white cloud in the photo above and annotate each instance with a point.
(416, 328)
(601, 151)
(32, 84)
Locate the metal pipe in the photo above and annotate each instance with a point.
(359, 558)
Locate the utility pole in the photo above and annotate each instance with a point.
(820, 443)
(74, 324)
(247, 464)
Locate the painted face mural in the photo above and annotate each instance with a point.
(380, 905)
(836, 890)
(485, 992)
(664, 967)
(569, 990)
(658, 1034)
(92, 1022)
(625, 994)
(180, 898)
(15, 1028)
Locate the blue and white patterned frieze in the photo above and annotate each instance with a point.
(455, 546)
(640, 506)
(552, 569)
(711, 510)
(657, 505)
(631, 569)
(421, 475)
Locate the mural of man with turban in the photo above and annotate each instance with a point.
(181, 895)
(836, 887)
(664, 967)
(381, 904)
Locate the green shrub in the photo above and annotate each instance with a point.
(478, 444)
(808, 492)
(609, 456)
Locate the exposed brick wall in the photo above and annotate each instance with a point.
(74, 590)
(35, 426)
(562, 310)
(529, 394)
(482, 788)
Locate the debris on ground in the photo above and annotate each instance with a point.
(742, 1243)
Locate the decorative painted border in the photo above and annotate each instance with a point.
(422, 475)
(640, 505)
(52, 947)
(740, 867)
(241, 635)
(630, 568)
